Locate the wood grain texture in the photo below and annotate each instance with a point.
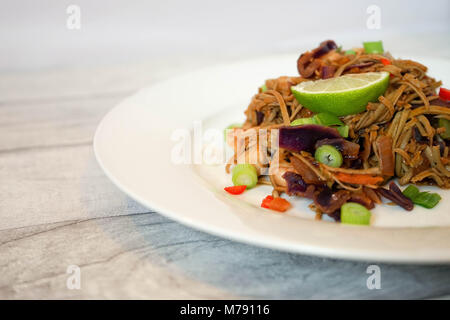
(57, 209)
(148, 256)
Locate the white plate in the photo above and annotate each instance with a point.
(133, 145)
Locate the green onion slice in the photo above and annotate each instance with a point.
(373, 47)
(350, 51)
(446, 124)
(244, 174)
(324, 119)
(354, 213)
(231, 126)
(302, 121)
(328, 155)
(263, 88)
(343, 131)
(427, 199)
(327, 119)
(411, 192)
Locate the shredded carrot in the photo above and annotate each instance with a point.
(363, 179)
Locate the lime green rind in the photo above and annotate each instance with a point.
(345, 102)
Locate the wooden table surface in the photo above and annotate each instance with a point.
(58, 209)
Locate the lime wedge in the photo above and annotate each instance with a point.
(341, 96)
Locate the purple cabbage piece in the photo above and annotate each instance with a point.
(325, 47)
(437, 141)
(395, 195)
(328, 72)
(304, 138)
(295, 183)
(336, 215)
(356, 164)
(360, 65)
(435, 102)
(328, 201)
(259, 117)
(419, 138)
(440, 103)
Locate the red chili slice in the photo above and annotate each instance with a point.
(279, 204)
(444, 94)
(387, 62)
(267, 200)
(235, 189)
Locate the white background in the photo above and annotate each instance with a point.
(33, 33)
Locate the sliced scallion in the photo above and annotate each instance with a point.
(373, 47)
(444, 123)
(231, 126)
(354, 213)
(244, 174)
(343, 131)
(411, 192)
(263, 88)
(324, 119)
(427, 199)
(302, 121)
(328, 155)
(327, 119)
